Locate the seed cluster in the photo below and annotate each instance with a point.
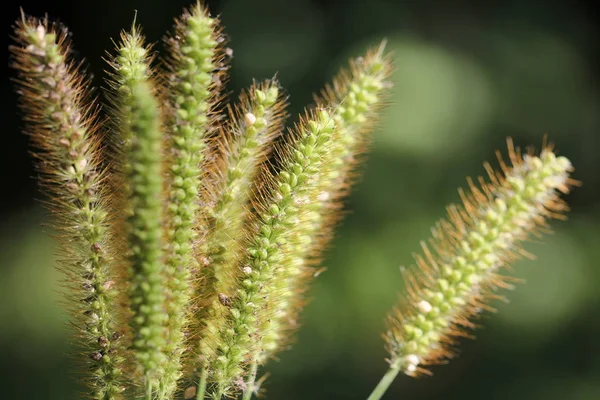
(196, 66)
(61, 127)
(480, 238)
(139, 171)
(275, 225)
(257, 120)
(210, 220)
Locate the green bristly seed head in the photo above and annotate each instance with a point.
(54, 98)
(141, 169)
(354, 97)
(256, 121)
(193, 91)
(357, 95)
(302, 162)
(190, 238)
(480, 238)
(131, 63)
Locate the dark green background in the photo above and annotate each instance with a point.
(467, 76)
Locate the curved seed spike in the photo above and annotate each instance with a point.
(196, 67)
(256, 122)
(137, 112)
(483, 235)
(355, 97)
(302, 162)
(62, 125)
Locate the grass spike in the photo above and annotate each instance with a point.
(459, 271)
(355, 97)
(62, 124)
(140, 139)
(278, 206)
(239, 151)
(196, 66)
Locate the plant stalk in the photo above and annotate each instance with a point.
(250, 382)
(384, 383)
(202, 385)
(148, 394)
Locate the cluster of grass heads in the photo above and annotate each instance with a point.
(190, 231)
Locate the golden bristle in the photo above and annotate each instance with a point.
(458, 271)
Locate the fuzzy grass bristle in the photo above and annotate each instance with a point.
(241, 148)
(276, 222)
(130, 64)
(357, 95)
(460, 269)
(194, 79)
(62, 125)
(238, 153)
(355, 98)
(140, 165)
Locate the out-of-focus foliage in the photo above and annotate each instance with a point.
(466, 77)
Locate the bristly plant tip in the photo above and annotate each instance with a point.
(355, 98)
(461, 268)
(239, 153)
(61, 121)
(196, 67)
(138, 115)
(190, 230)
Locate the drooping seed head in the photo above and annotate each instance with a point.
(456, 277)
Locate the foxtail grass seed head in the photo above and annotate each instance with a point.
(62, 126)
(138, 113)
(255, 122)
(355, 98)
(213, 225)
(469, 249)
(196, 67)
(302, 161)
(130, 65)
(143, 169)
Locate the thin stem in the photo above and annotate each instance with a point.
(148, 395)
(249, 391)
(202, 385)
(384, 383)
(218, 395)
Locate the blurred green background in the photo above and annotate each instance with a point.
(468, 74)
